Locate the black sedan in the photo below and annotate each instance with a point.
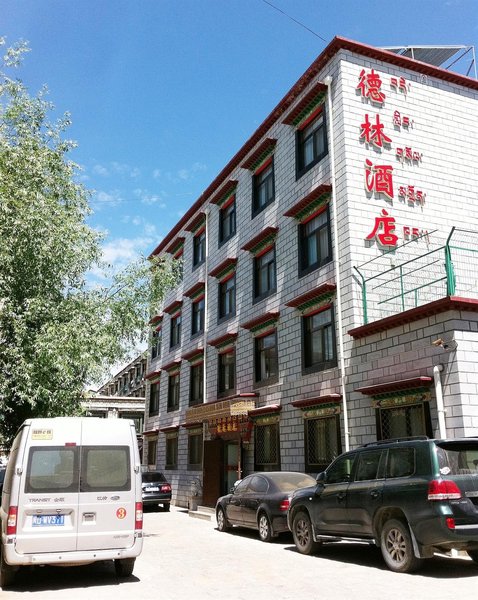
(260, 501)
(155, 489)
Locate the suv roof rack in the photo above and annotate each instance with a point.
(392, 440)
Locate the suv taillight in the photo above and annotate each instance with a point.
(138, 520)
(442, 489)
(12, 520)
(284, 505)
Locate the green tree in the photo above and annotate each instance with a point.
(57, 331)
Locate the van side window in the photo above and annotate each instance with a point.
(52, 469)
(105, 468)
(401, 462)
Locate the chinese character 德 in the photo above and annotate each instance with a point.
(369, 85)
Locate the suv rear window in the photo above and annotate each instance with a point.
(458, 458)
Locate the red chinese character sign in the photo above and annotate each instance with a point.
(369, 86)
(373, 133)
(383, 230)
(379, 178)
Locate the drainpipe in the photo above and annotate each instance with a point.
(328, 82)
(206, 312)
(439, 396)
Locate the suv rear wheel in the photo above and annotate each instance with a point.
(302, 533)
(397, 548)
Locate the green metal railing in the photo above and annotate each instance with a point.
(400, 279)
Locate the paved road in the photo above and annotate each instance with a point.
(185, 559)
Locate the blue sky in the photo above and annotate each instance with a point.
(162, 93)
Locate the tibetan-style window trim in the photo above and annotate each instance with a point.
(149, 432)
(317, 401)
(176, 247)
(315, 300)
(172, 430)
(224, 270)
(260, 156)
(222, 198)
(262, 242)
(156, 320)
(194, 357)
(193, 426)
(265, 322)
(173, 367)
(153, 376)
(174, 308)
(265, 410)
(415, 384)
(307, 107)
(197, 224)
(225, 343)
(311, 205)
(415, 314)
(196, 292)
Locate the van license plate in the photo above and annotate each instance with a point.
(48, 520)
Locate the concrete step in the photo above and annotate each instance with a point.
(203, 512)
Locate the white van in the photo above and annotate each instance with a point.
(72, 495)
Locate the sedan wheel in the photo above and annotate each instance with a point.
(265, 529)
(397, 548)
(302, 533)
(222, 522)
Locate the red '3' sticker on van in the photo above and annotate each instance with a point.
(121, 513)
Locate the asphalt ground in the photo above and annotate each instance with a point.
(187, 558)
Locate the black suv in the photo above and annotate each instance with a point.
(412, 498)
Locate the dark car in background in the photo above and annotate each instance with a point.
(260, 501)
(155, 489)
(411, 497)
(2, 477)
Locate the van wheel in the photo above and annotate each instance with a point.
(124, 566)
(302, 534)
(397, 548)
(7, 573)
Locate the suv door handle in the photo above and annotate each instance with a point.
(375, 493)
(341, 496)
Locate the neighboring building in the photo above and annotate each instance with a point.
(329, 295)
(122, 396)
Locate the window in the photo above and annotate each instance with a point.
(227, 222)
(154, 400)
(311, 144)
(264, 274)
(315, 248)
(401, 462)
(404, 421)
(152, 451)
(173, 392)
(195, 451)
(227, 298)
(196, 384)
(266, 447)
(341, 470)
(319, 351)
(199, 248)
(156, 344)
(171, 451)
(105, 468)
(265, 358)
(368, 464)
(227, 373)
(322, 443)
(175, 337)
(197, 320)
(263, 188)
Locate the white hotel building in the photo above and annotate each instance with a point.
(329, 295)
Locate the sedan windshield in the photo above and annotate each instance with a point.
(288, 482)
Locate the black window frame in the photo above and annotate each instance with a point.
(175, 331)
(195, 451)
(225, 291)
(307, 335)
(174, 389)
(274, 430)
(305, 266)
(318, 466)
(171, 452)
(320, 131)
(154, 396)
(196, 372)
(199, 248)
(261, 181)
(227, 222)
(156, 342)
(225, 376)
(259, 378)
(258, 268)
(197, 316)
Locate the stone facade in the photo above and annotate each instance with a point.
(380, 377)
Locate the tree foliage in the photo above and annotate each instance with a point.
(57, 331)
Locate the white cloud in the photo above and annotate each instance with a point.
(157, 173)
(111, 198)
(147, 198)
(101, 170)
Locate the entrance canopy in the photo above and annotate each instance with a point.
(234, 406)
